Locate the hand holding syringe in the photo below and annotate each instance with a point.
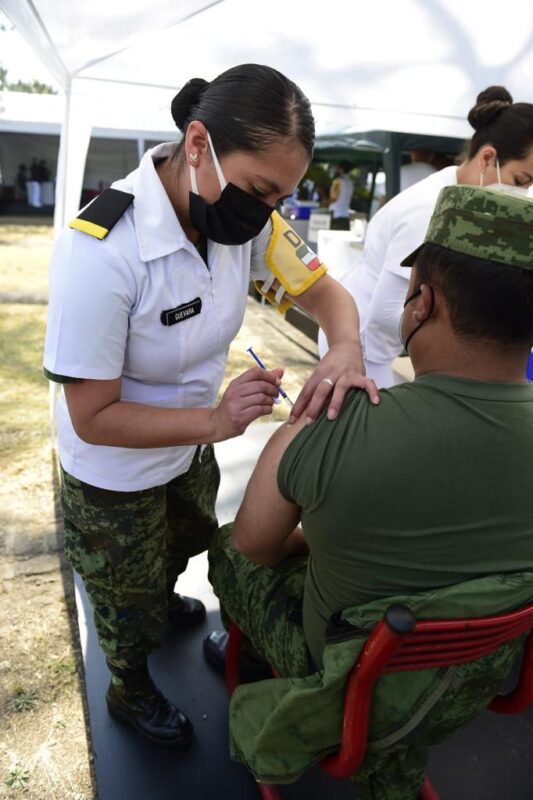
(260, 364)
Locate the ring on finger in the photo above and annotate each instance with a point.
(327, 380)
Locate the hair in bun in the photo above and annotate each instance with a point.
(504, 125)
(247, 108)
(489, 105)
(186, 100)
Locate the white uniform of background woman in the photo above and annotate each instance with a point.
(501, 150)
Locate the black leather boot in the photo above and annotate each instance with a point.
(215, 648)
(184, 611)
(133, 698)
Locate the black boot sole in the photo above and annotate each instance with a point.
(181, 743)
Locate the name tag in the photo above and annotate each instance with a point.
(187, 310)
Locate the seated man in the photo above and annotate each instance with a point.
(430, 488)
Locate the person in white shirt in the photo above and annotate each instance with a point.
(501, 150)
(148, 288)
(420, 167)
(340, 196)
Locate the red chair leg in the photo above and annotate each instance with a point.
(269, 792)
(233, 658)
(428, 792)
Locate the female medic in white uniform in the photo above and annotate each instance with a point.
(500, 153)
(148, 289)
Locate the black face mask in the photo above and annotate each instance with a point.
(405, 341)
(235, 218)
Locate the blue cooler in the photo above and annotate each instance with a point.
(529, 371)
(304, 208)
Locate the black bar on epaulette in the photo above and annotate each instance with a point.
(103, 213)
(107, 208)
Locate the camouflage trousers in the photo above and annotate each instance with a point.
(130, 547)
(265, 602)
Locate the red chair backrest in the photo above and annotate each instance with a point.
(399, 643)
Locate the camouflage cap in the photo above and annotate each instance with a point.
(483, 223)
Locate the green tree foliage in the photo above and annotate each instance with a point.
(34, 86)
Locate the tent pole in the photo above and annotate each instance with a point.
(60, 190)
(73, 146)
(391, 164)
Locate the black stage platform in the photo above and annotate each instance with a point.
(490, 759)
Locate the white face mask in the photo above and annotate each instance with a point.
(506, 188)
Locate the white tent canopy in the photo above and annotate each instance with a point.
(404, 65)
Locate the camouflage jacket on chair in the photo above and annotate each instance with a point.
(280, 728)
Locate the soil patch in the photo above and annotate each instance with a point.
(44, 752)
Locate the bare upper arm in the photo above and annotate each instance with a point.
(265, 517)
(86, 398)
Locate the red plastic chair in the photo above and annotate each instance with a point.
(399, 643)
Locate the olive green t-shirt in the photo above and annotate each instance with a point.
(433, 486)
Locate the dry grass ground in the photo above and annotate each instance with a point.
(24, 429)
(25, 249)
(278, 344)
(44, 751)
(43, 743)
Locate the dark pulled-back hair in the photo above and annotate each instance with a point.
(505, 125)
(485, 300)
(249, 107)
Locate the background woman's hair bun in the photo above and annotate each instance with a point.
(186, 99)
(489, 105)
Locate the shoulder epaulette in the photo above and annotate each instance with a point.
(98, 218)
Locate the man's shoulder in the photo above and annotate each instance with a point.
(460, 398)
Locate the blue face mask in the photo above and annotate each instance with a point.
(405, 341)
(235, 218)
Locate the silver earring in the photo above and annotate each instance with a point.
(193, 158)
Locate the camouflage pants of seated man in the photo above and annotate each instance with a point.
(130, 547)
(266, 604)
